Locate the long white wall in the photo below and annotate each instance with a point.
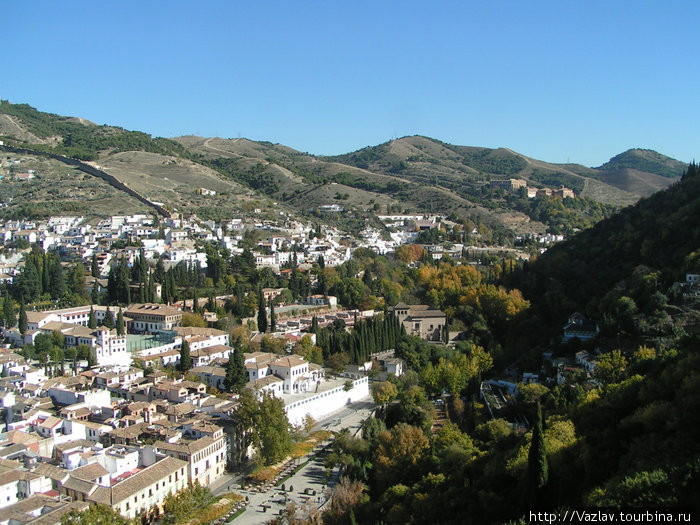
(325, 403)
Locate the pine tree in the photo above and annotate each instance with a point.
(92, 319)
(109, 319)
(262, 314)
(273, 318)
(185, 359)
(120, 322)
(22, 323)
(537, 466)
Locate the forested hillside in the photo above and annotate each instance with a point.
(623, 437)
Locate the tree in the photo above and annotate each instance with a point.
(399, 455)
(76, 281)
(192, 319)
(338, 362)
(94, 266)
(95, 293)
(181, 506)
(95, 515)
(72, 354)
(262, 314)
(384, 393)
(92, 319)
(537, 466)
(120, 322)
(611, 367)
(273, 318)
(22, 323)
(8, 309)
(236, 376)
(28, 282)
(272, 434)
(108, 321)
(185, 359)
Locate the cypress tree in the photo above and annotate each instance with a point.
(57, 281)
(185, 359)
(109, 319)
(120, 322)
(142, 268)
(45, 278)
(262, 314)
(314, 325)
(195, 300)
(94, 266)
(537, 467)
(92, 320)
(273, 318)
(22, 323)
(8, 309)
(160, 271)
(95, 294)
(236, 376)
(151, 289)
(28, 283)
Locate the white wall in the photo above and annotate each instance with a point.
(325, 403)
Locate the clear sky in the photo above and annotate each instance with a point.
(554, 80)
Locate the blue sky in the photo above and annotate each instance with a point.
(558, 81)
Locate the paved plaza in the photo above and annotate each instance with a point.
(311, 478)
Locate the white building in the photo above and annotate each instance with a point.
(206, 456)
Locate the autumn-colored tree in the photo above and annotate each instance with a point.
(399, 455)
(384, 392)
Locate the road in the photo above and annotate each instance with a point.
(310, 478)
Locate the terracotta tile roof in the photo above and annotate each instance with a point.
(186, 446)
(90, 472)
(124, 489)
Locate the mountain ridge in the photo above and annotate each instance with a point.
(413, 173)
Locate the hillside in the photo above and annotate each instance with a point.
(645, 160)
(660, 233)
(411, 174)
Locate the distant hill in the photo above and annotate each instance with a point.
(645, 160)
(412, 174)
